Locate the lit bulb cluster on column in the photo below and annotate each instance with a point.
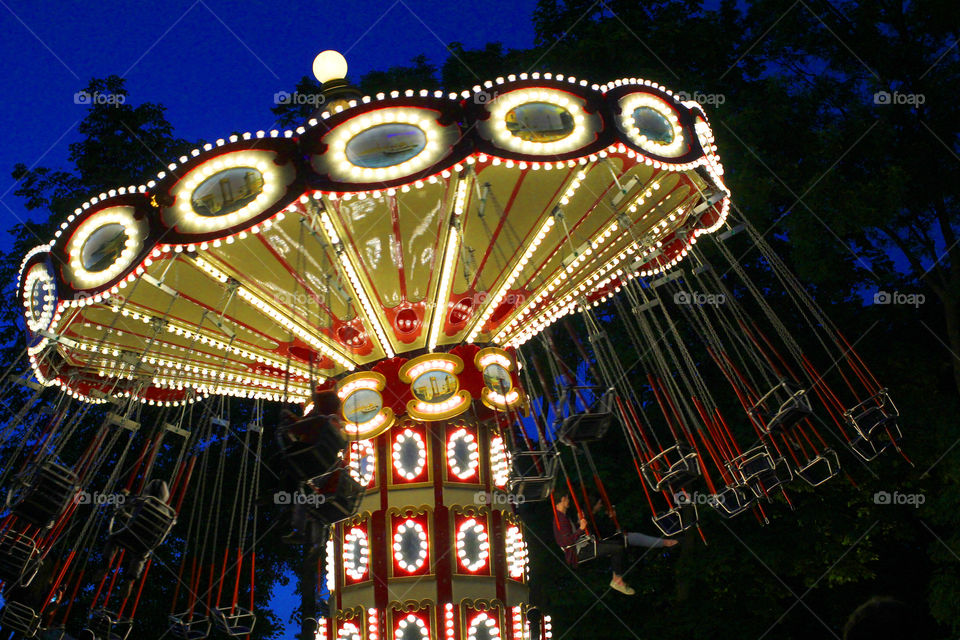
(415, 623)
(472, 533)
(410, 565)
(356, 554)
(362, 462)
(349, 631)
(516, 553)
(463, 469)
(499, 462)
(483, 621)
(405, 472)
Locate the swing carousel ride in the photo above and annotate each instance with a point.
(402, 249)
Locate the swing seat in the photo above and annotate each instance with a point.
(534, 475)
(790, 405)
(673, 468)
(585, 548)
(676, 520)
(148, 521)
(107, 625)
(306, 461)
(586, 426)
(759, 471)
(183, 626)
(235, 621)
(20, 618)
(732, 500)
(338, 495)
(822, 467)
(19, 558)
(41, 495)
(875, 421)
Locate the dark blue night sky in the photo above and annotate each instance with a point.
(215, 64)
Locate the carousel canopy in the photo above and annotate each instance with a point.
(397, 224)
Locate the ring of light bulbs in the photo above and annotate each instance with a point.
(361, 450)
(135, 231)
(39, 319)
(415, 622)
(398, 446)
(276, 179)
(630, 103)
(585, 126)
(483, 619)
(410, 565)
(339, 167)
(461, 470)
(470, 527)
(356, 564)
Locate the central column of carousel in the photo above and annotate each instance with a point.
(436, 550)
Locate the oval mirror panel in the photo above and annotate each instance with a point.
(539, 122)
(653, 125)
(386, 145)
(103, 247)
(227, 191)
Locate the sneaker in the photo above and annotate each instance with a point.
(622, 587)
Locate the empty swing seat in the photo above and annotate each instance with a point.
(732, 500)
(107, 625)
(759, 471)
(185, 627)
(875, 421)
(19, 558)
(234, 621)
(676, 520)
(534, 475)
(307, 460)
(338, 495)
(673, 468)
(822, 467)
(785, 405)
(42, 494)
(586, 426)
(148, 521)
(18, 617)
